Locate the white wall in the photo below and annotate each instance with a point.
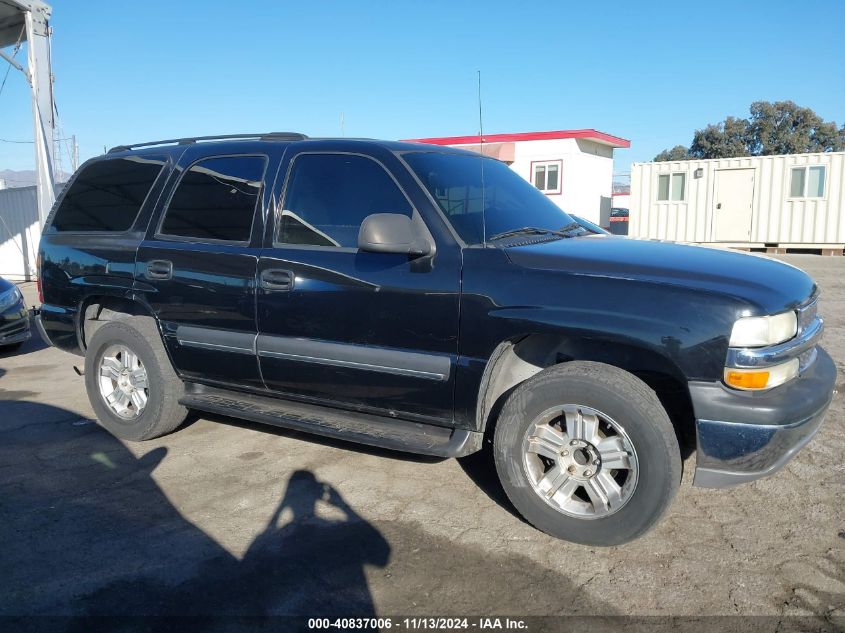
(623, 201)
(775, 217)
(20, 232)
(586, 172)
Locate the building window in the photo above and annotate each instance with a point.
(546, 176)
(807, 182)
(671, 187)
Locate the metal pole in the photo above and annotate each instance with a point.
(40, 71)
(75, 153)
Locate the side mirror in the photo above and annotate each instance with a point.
(390, 233)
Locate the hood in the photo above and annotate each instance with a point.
(770, 285)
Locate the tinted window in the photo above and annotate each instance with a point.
(216, 199)
(509, 201)
(107, 195)
(329, 195)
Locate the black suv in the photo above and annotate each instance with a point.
(429, 300)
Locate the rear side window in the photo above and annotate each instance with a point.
(215, 199)
(107, 195)
(329, 195)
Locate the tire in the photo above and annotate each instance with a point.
(161, 412)
(649, 469)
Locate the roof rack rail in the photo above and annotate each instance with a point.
(266, 136)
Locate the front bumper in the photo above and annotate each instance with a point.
(743, 436)
(14, 325)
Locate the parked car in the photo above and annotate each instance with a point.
(590, 226)
(619, 221)
(14, 317)
(388, 293)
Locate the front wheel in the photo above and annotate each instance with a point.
(586, 452)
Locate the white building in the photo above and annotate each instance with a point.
(794, 201)
(621, 200)
(573, 167)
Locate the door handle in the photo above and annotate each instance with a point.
(276, 279)
(159, 269)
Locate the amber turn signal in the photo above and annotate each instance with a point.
(767, 378)
(747, 380)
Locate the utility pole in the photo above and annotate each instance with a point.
(75, 153)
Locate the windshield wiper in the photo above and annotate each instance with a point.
(572, 226)
(526, 230)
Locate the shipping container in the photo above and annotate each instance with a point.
(787, 201)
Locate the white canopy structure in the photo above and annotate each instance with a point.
(28, 20)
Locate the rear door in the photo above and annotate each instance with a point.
(367, 331)
(197, 265)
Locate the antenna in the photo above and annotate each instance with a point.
(481, 147)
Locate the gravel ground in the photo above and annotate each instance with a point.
(230, 517)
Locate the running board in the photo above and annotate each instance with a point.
(363, 428)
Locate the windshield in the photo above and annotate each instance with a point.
(510, 202)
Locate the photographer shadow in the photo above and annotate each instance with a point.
(303, 562)
(312, 562)
(87, 532)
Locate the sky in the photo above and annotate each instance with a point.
(649, 72)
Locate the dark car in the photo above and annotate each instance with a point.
(619, 221)
(14, 317)
(428, 300)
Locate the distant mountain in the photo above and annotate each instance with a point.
(24, 177)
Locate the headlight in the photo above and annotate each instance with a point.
(764, 378)
(10, 298)
(765, 330)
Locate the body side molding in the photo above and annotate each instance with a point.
(391, 361)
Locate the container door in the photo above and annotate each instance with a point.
(733, 200)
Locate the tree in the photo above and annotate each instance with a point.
(722, 140)
(786, 128)
(679, 152)
(781, 127)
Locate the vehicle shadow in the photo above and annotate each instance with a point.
(481, 469)
(88, 537)
(33, 344)
(85, 530)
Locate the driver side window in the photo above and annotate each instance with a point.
(329, 195)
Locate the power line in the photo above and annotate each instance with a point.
(14, 52)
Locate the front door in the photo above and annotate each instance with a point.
(197, 266)
(734, 195)
(372, 332)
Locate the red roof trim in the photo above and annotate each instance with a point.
(592, 135)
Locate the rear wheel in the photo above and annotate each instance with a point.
(586, 452)
(130, 382)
